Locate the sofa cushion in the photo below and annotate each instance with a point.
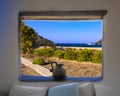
(70, 89)
(18, 90)
(106, 91)
(86, 89)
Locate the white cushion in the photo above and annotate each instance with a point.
(86, 89)
(18, 90)
(106, 91)
(70, 89)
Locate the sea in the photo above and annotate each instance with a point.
(79, 45)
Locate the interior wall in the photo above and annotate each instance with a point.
(9, 51)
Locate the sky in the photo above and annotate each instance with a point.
(68, 31)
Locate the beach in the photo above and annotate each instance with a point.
(96, 48)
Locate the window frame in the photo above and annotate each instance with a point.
(59, 15)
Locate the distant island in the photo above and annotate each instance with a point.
(99, 42)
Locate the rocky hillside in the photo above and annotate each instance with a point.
(44, 42)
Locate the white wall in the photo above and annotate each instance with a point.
(9, 59)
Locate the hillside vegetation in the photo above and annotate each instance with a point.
(31, 40)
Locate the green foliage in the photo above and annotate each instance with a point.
(28, 39)
(38, 61)
(97, 57)
(38, 52)
(59, 53)
(47, 52)
(84, 55)
(70, 54)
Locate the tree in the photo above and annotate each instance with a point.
(28, 39)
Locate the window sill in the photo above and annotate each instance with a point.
(42, 78)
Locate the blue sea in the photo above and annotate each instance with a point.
(78, 45)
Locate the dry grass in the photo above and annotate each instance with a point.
(73, 68)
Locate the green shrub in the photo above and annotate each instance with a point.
(38, 61)
(97, 57)
(38, 52)
(47, 52)
(59, 53)
(84, 55)
(70, 54)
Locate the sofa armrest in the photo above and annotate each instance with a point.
(106, 91)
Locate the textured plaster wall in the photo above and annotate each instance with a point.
(9, 52)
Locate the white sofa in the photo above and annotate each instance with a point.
(70, 89)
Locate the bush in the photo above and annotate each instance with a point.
(84, 55)
(47, 52)
(38, 61)
(97, 57)
(59, 53)
(38, 52)
(70, 54)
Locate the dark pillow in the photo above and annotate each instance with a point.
(3, 93)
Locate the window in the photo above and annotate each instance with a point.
(73, 38)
